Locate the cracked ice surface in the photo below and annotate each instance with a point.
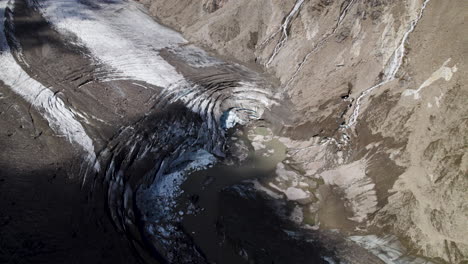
(60, 118)
(120, 36)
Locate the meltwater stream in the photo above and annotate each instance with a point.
(172, 182)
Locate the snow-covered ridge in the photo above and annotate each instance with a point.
(60, 118)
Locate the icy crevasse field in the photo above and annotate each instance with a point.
(60, 117)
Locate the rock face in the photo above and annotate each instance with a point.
(212, 5)
(379, 100)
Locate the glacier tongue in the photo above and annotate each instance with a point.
(120, 36)
(61, 119)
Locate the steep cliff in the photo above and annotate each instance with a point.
(378, 95)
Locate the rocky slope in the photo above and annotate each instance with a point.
(379, 115)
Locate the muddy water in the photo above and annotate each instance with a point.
(233, 220)
(203, 190)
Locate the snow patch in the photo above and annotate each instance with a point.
(230, 118)
(443, 72)
(388, 249)
(391, 69)
(258, 186)
(297, 215)
(169, 185)
(158, 201)
(358, 188)
(294, 194)
(195, 56)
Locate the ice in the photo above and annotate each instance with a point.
(60, 118)
(118, 35)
